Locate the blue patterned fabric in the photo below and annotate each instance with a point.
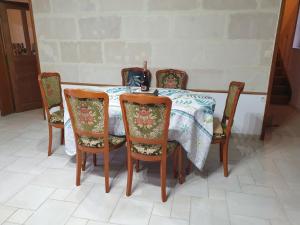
(135, 78)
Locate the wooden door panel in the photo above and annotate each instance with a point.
(6, 98)
(21, 56)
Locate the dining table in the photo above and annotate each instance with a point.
(191, 119)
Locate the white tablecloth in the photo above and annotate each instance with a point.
(191, 121)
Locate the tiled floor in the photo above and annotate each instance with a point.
(263, 187)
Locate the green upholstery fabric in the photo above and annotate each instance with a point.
(88, 114)
(219, 131)
(51, 86)
(170, 80)
(99, 143)
(153, 150)
(145, 121)
(233, 90)
(57, 117)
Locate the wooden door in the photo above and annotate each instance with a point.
(6, 97)
(21, 55)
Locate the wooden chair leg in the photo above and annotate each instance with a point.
(175, 164)
(95, 159)
(50, 140)
(137, 165)
(221, 152)
(62, 136)
(181, 176)
(163, 177)
(106, 170)
(225, 158)
(84, 161)
(129, 175)
(189, 167)
(78, 167)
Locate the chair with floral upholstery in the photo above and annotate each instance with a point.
(170, 78)
(89, 117)
(146, 121)
(222, 129)
(50, 87)
(134, 76)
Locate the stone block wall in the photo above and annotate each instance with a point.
(215, 41)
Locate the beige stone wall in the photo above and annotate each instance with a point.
(215, 41)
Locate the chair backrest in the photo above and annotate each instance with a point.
(50, 86)
(234, 92)
(133, 76)
(170, 78)
(146, 119)
(89, 113)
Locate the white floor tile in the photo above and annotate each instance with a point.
(217, 194)
(31, 197)
(163, 208)
(20, 216)
(148, 192)
(56, 178)
(242, 220)
(166, 221)
(132, 212)
(294, 216)
(78, 193)
(97, 223)
(254, 206)
(245, 179)
(26, 165)
(181, 207)
(99, 205)
(60, 194)
(258, 190)
(5, 212)
(76, 221)
(52, 212)
(194, 186)
(217, 180)
(209, 212)
(11, 183)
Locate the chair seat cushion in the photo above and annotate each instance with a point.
(218, 129)
(153, 149)
(99, 143)
(57, 117)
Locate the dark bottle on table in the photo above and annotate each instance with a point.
(145, 80)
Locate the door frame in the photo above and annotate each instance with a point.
(272, 72)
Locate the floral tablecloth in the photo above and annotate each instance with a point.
(191, 121)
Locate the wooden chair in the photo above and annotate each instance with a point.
(170, 78)
(146, 120)
(89, 117)
(222, 129)
(50, 87)
(133, 76)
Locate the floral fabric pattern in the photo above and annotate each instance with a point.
(145, 121)
(153, 150)
(51, 86)
(57, 117)
(171, 80)
(99, 143)
(88, 114)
